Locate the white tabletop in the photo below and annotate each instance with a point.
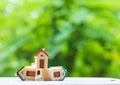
(67, 81)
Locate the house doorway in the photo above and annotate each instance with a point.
(41, 65)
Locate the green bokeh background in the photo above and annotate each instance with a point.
(81, 35)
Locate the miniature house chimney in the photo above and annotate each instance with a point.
(43, 49)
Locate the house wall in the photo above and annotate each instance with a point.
(37, 60)
(30, 77)
(38, 76)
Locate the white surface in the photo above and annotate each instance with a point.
(67, 81)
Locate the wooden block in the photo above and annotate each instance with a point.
(30, 73)
(46, 75)
(57, 73)
(41, 59)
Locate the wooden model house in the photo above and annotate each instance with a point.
(41, 59)
(39, 69)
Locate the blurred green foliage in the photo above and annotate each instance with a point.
(81, 35)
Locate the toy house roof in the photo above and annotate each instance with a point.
(41, 51)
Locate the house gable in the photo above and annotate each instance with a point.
(39, 53)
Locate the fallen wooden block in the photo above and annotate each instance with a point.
(29, 73)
